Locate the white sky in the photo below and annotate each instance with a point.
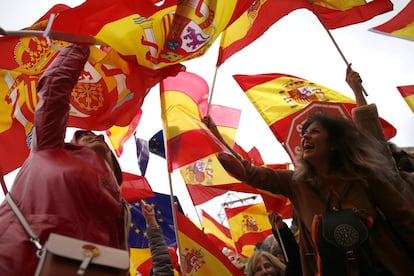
(296, 45)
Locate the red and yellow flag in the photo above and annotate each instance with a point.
(401, 25)
(183, 104)
(118, 135)
(249, 224)
(277, 96)
(263, 14)
(336, 14)
(141, 261)
(407, 92)
(217, 231)
(202, 175)
(283, 100)
(135, 187)
(110, 90)
(156, 35)
(198, 255)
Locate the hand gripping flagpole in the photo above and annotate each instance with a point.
(316, 12)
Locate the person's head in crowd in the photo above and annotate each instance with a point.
(97, 143)
(264, 263)
(271, 245)
(332, 143)
(234, 258)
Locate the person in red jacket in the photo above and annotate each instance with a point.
(70, 189)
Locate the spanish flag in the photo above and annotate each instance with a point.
(118, 135)
(401, 25)
(141, 261)
(407, 92)
(263, 14)
(279, 99)
(155, 35)
(217, 232)
(277, 96)
(199, 256)
(249, 224)
(202, 175)
(183, 104)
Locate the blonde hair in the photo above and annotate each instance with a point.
(258, 255)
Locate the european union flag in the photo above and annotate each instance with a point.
(156, 144)
(163, 214)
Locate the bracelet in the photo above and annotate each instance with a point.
(154, 225)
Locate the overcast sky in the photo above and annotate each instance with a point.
(296, 45)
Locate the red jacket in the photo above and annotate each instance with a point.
(61, 188)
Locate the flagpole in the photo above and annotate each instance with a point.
(316, 12)
(173, 206)
(282, 245)
(210, 96)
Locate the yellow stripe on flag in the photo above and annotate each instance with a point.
(280, 97)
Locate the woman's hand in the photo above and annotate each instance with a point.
(149, 214)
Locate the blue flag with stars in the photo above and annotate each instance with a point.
(163, 215)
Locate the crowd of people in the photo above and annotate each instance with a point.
(352, 192)
(352, 197)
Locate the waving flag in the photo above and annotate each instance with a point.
(202, 175)
(119, 135)
(183, 104)
(217, 232)
(198, 255)
(249, 224)
(252, 24)
(401, 25)
(142, 154)
(163, 213)
(407, 92)
(141, 261)
(279, 99)
(110, 90)
(156, 35)
(263, 14)
(135, 187)
(335, 14)
(156, 144)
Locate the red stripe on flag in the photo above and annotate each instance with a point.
(201, 143)
(407, 90)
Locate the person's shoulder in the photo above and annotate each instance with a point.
(364, 111)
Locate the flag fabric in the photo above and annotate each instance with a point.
(110, 90)
(263, 14)
(407, 92)
(252, 24)
(141, 261)
(118, 135)
(142, 154)
(217, 232)
(401, 25)
(277, 203)
(198, 255)
(201, 176)
(156, 35)
(249, 224)
(135, 187)
(279, 98)
(183, 105)
(156, 144)
(336, 14)
(163, 213)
